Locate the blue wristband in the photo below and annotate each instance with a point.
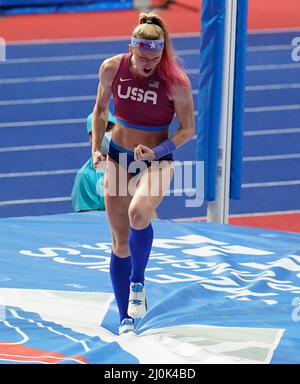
(164, 149)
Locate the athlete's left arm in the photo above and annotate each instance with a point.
(184, 108)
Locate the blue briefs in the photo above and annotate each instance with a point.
(133, 167)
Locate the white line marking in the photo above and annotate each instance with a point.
(250, 88)
(272, 108)
(47, 122)
(48, 59)
(102, 56)
(188, 191)
(283, 131)
(94, 39)
(271, 184)
(177, 164)
(39, 324)
(195, 34)
(252, 158)
(272, 157)
(86, 144)
(68, 41)
(83, 120)
(271, 67)
(25, 338)
(35, 201)
(48, 100)
(96, 56)
(82, 342)
(180, 191)
(271, 87)
(194, 71)
(92, 97)
(41, 79)
(44, 146)
(266, 158)
(39, 173)
(67, 171)
(41, 122)
(269, 48)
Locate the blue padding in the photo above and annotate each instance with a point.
(210, 91)
(210, 94)
(238, 103)
(215, 293)
(9, 3)
(22, 3)
(11, 7)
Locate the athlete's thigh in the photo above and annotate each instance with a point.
(117, 200)
(153, 185)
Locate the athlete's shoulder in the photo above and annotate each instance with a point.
(183, 88)
(110, 66)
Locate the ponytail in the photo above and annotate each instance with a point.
(152, 27)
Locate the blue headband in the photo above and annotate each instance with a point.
(147, 45)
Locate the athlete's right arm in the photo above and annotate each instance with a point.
(107, 73)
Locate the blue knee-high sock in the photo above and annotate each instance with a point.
(140, 243)
(120, 269)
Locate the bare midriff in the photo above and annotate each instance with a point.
(129, 138)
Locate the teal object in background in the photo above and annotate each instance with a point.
(89, 127)
(88, 189)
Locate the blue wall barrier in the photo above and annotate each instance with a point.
(210, 94)
(11, 7)
(238, 103)
(210, 91)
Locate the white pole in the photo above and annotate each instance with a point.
(218, 210)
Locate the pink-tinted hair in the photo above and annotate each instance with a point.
(169, 67)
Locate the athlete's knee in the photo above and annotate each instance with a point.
(139, 217)
(120, 246)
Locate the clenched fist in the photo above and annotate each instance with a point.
(141, 152)
(98, 160)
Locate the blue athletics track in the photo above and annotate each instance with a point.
(216, 293)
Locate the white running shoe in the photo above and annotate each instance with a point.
(126, 326)
(137, 306)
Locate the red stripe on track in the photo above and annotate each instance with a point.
(22, 353)
(263, 14)
(91, 24)
(289, 222)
